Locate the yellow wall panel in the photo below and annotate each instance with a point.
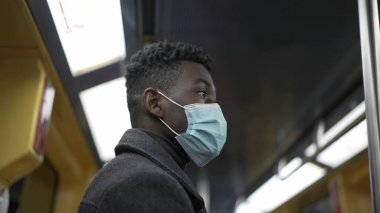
(22, 82)
(13, 31)
(24, 60)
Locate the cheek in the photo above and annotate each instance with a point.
(179, 120)
(182, 122)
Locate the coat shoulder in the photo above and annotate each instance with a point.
(134, 182)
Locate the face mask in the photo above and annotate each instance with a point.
(206, 131)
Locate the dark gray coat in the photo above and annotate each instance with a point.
(143, 177)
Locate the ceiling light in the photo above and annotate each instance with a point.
(105, 107)
(346, 147)
(311, 150)
(275, 191)
(91, 32)
(247, 207)
(342, 124)
(289, 168)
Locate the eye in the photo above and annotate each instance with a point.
(203, 94)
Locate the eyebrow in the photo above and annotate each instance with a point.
(201, 80)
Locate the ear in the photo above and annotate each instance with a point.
(152, 103)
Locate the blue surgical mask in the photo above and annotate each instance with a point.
(206, 131)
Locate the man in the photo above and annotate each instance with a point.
(171, 100)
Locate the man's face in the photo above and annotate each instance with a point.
(194, 85)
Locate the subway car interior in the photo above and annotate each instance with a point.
(297, 81)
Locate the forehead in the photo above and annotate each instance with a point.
(193, 73)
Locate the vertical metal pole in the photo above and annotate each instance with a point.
(370, 49)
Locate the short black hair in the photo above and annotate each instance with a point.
(156, 65)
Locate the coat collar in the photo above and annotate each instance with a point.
(139, 141)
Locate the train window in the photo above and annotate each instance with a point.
(91, 32)
(106, 110)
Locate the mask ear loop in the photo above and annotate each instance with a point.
(170, 99)
(168, 126)
(173, 103)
